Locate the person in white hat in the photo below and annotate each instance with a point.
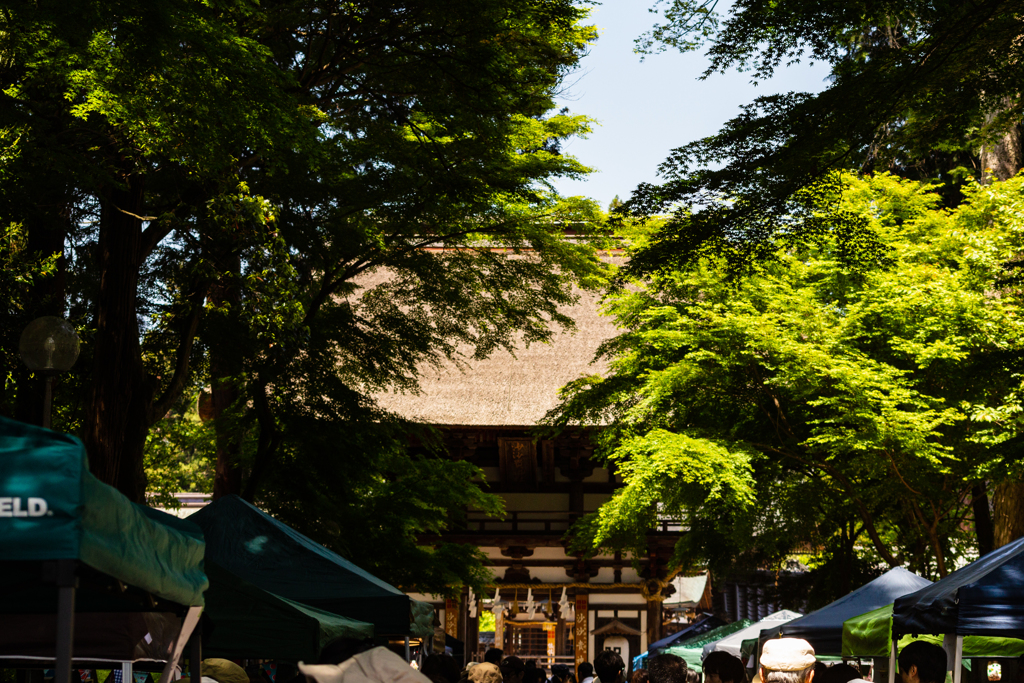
(787, 660)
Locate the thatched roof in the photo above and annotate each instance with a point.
(506, 390)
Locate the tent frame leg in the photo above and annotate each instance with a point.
(67, 582)
(195, 654)
(188, 626)
(958, 659)
(408, 652)
(127, 672)
(892, 661)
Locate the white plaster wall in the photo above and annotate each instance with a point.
(603, 598)
(630, 575)
(590, 639)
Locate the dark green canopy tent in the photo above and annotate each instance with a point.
(72, 544)
(242, 621)
(256, 547)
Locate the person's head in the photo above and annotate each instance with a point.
(787, 660)
(666, 669)
(584, 670)
(838, 673)
(922, 662)
(494, 656)
(692, 676)
(640, 676)
(484, 672)
(534, 674)
(223, 671)
(609, 667)
(438, 667)
(560, 673)
(513, 670)
(722, 667)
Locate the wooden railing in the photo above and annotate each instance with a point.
(546, 521)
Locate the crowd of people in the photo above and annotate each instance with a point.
(607, 667)
(783, 660)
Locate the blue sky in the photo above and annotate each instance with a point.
(647, 108)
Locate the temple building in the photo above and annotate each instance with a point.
(549, 604)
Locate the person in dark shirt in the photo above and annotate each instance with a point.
(722, 667)
(922, 662)
(667, 669)
(609, 667)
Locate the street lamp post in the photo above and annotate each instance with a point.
(48, 345)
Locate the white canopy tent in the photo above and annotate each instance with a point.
(734, 642)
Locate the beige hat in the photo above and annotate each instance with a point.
(224, 671)
(485, 672)
(378, 665)
(787, 654)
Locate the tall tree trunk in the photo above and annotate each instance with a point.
(982, 518)
(225, 366)
(1008, 512)
(1004, 159)
(121, 397)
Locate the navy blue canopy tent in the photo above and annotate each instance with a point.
(985, 598)
(703, 626)
(823, 629)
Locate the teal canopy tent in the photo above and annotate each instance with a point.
(242, 621)
(73, 544)
(692, 650)
(261, 550)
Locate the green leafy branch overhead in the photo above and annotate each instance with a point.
(812, 393)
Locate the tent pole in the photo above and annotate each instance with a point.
(892, 661)
(408, 652)
(958, 658)
(188, 626)
(66, 584)
(195, 654)
(126, 672)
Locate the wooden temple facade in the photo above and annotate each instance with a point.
(489, 413)
(546, 485)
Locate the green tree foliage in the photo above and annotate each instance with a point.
(849, 410)
(300, 205)
(180, 456)
(917, 89)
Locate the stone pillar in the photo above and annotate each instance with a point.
(582, 634)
